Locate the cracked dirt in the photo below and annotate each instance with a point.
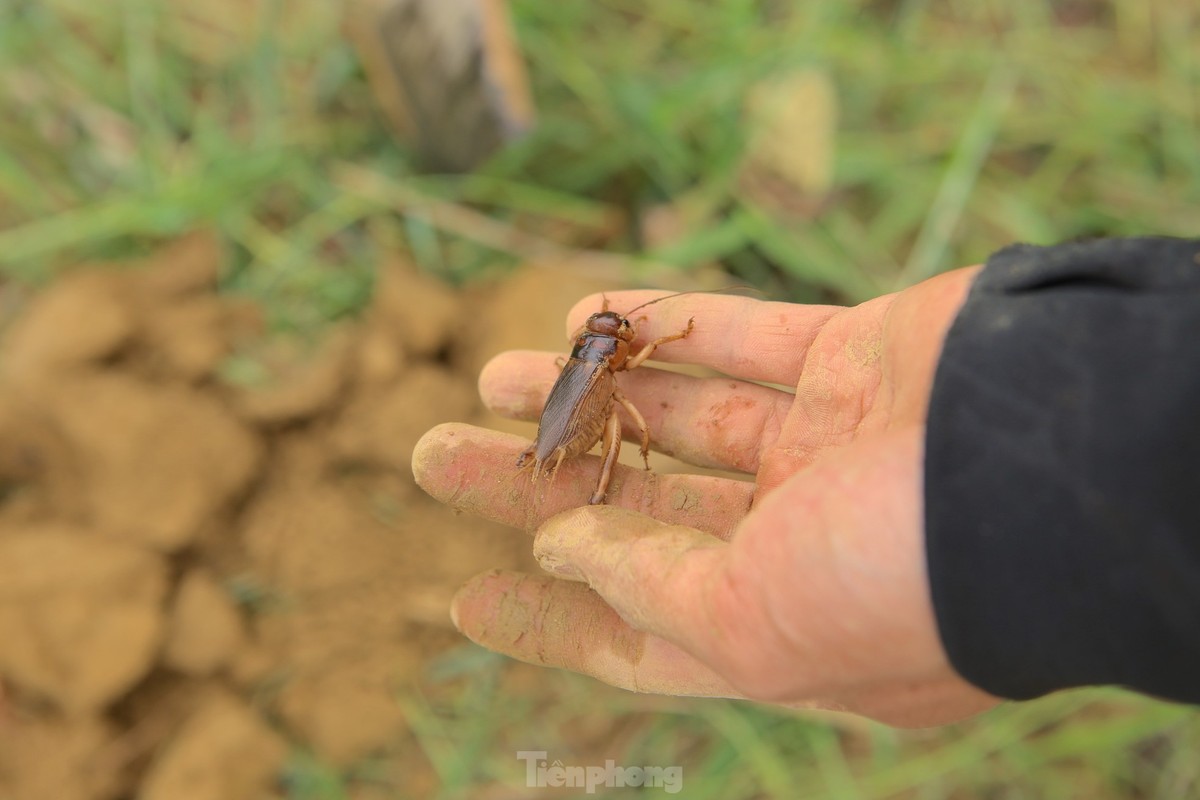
(200, 575)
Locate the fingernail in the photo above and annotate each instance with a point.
(558, 567)
(557, 539)
(454, 614)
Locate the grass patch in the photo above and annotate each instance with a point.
(961, 127)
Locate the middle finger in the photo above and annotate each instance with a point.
(474, 470)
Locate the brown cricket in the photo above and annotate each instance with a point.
(581, 408)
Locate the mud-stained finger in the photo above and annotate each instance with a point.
(674, 582)
(756, 340)
(710, 422)
(474, 469)
(555, 623)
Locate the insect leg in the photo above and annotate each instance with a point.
(638, 420)
(562, 453)
(612, 448)
(637, 359)
(523, 459)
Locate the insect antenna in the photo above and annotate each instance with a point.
(693, 291)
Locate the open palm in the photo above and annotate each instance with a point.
(806, 587)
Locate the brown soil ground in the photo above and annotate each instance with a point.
(197, 576)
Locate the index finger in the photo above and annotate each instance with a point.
(757, 340)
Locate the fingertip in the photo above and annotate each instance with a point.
(558, 536)
(573, 519)
(429, 454)
(493, 373)
(475, 600)
(589, 520)
(465, 466)
(514, 384)
(559, 543)
(524, 616)
(496, 382)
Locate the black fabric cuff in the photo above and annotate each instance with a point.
(1062, 471)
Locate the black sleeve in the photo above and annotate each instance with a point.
(1062, 471)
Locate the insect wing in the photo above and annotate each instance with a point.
(570, 403)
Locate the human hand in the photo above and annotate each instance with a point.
(805, 588)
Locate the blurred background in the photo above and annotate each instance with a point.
(252, 249)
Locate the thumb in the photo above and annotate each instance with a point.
(670, 581)
(627, 558)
